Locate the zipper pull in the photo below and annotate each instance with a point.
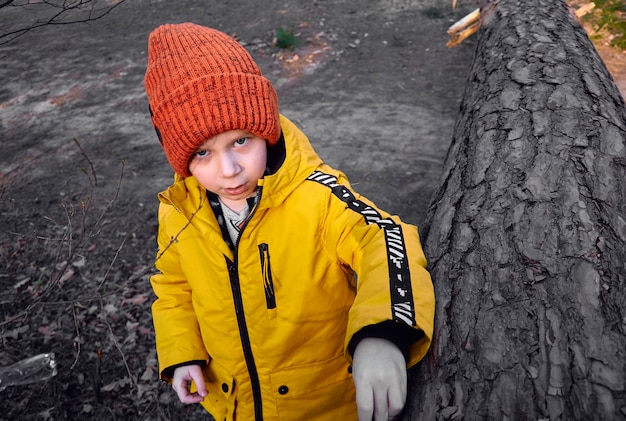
(266, 270)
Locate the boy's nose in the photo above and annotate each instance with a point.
(230, 165)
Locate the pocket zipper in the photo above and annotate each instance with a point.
(268, 282)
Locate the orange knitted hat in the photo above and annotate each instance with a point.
(200, 82)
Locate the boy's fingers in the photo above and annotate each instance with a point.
(198, 379)
(185, 397)
(183, 376)
(397, 399)
(180, 387)
(201, 387)
(364, 404)
(380, 407)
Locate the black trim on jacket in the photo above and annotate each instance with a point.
(400, 330)
(276, 155)
(168, 373)
(402, 305)
(400, 334)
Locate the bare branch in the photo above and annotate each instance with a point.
(58, 13)
(77, 341)
(84, 154)
(106, 274)
(67, 239)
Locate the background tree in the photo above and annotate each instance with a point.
(18, 17)
(527, 232)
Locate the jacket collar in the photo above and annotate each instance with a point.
(286, 171)
(299, 162)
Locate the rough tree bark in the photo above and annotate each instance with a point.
(526, 235)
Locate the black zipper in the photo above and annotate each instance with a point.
(266, 269)
(245, 340)
(243, 327)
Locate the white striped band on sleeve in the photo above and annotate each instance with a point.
(402, 305)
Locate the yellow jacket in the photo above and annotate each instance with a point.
(272, 320)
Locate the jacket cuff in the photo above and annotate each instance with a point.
(403, 336)
(168, 373)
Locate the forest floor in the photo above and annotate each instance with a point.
(371, 83)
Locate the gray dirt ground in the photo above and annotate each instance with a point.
(371, 83)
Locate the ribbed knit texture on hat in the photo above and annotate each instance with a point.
(200, 82)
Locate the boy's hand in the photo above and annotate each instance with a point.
(181, 382)
(379, 372)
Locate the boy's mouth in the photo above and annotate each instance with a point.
(233, 191)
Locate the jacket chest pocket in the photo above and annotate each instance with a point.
(268, 280)
(303, 289)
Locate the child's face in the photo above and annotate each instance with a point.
(230, 164)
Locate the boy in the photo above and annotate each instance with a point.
(281, 293)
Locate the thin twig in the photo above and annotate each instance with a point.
(68, 229)
(55, 20)
(77, 341)
(73, 251)
(116, 343)
(117, 253)
(111, 202)
(84, 154)
(175, 238)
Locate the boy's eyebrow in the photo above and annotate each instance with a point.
(204, 144)
(242, 134)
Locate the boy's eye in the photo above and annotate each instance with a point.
(241, 142)
(201, 154)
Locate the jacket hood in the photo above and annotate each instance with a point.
(299, 162)
(291, 160)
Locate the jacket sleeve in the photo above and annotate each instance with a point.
(395, 295)
(178, 338)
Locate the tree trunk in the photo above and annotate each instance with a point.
(526, 235)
